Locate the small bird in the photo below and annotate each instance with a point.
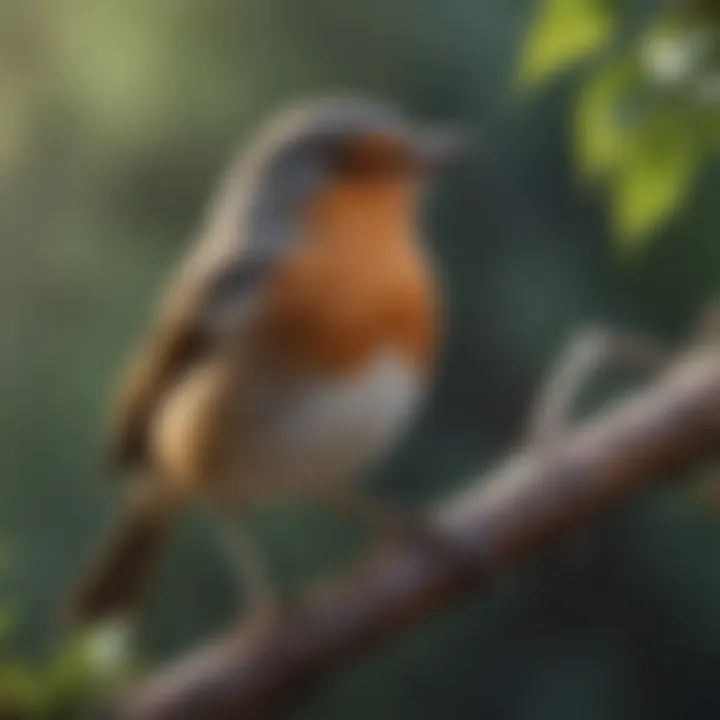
(292, 347)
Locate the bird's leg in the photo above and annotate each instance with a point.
(262, 597)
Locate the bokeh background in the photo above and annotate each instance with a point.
(116, 118)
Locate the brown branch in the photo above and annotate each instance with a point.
(537, 496)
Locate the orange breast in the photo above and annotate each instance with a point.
(358, 283)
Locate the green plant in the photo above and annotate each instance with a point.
(81, 671)
(647, 113)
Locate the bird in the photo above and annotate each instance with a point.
(291, 348)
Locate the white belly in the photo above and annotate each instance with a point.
(332, 430)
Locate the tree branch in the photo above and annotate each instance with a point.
(540, 494)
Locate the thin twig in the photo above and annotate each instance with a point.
(589, 353)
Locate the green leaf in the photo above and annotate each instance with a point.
(600, 135)
(108, 649)
(654, 179)
(564, 32)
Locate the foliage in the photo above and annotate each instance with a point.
(647, 114)
(82, 670)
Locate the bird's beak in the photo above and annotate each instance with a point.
(441, 147)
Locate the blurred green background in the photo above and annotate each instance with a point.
(117, 116)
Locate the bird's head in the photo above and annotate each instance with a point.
(361, 146)
(352, 141)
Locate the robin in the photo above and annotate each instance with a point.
(292, 347)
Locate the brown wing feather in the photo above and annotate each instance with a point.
(186, 332)
(162, 358)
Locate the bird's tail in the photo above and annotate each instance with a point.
(116, 582)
